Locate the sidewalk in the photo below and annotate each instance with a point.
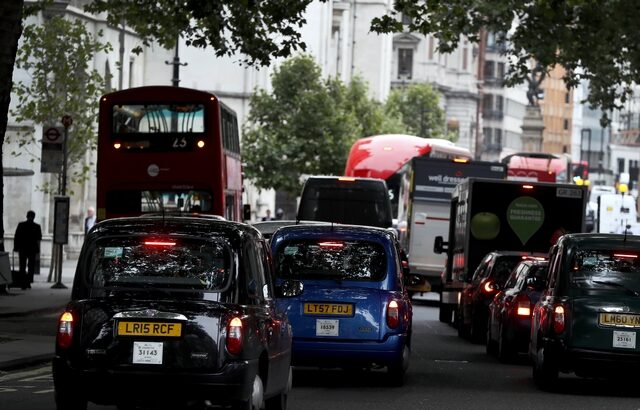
(21, 349)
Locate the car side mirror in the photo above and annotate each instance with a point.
(439, 245)
(290, 288)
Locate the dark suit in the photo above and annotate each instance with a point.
(27, 243)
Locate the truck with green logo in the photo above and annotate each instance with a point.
(503, 215)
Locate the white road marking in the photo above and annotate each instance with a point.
(43, 391)
(40, 372)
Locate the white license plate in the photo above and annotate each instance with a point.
(327, 327)
(147, 352)
(626, 340)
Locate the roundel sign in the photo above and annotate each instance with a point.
(52, 135)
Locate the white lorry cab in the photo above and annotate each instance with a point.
(424, 211)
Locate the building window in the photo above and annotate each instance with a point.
(620, 165)
(406, 19)
(488, 69)
(465, 53)
(567, 97)
(565, 124)
(131, 65)
(431, 47)
(500, 71)
(497, 138)
(405, 63)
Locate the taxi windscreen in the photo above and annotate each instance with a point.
(342, 260)
(606, 269)
(167, 263)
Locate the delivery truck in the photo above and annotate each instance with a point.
(503, 215)
(424, 208)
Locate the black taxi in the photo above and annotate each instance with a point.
(588, 316)
(173, 310)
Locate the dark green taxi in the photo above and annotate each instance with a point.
(588, 317)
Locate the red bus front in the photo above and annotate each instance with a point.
(167, 149)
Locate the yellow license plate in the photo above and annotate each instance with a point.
(619, 320)
(151, 329)
(338, 309)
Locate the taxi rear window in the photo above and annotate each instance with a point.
(165, 262)
(605, 269)
(331, 259)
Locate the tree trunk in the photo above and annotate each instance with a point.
(10, 31)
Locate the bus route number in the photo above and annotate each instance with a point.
(180, 142)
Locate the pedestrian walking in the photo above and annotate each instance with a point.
(268, 217)
(279, 214)
(90, 220)
(26, 242)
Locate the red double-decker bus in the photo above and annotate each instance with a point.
(384, 156)
(541, 167)
(167, 149)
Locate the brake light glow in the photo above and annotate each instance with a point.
(527, 186)
(625, 255)
(461, 160)
(234, 336)
(346, 179)
(488, 287)
(558, 319)
(523, 305)
(200, 144)
(65, 330)
(159, 243)
(117, 145)
(387, 148)
(393, 314)
(335, 245)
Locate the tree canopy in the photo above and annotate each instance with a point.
(417, 107)
(57, 56)
(596, 41)
(257, 30)
(306, 125)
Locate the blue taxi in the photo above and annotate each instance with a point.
(350, 306)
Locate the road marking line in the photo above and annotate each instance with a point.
(7, 390)
(43, 391)
(28, 373)
(450, 361)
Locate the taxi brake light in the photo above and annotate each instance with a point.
(527, 186)
(387, 149)
(625, 255)
(346, 179)
(159, 243)
(117, 145)
(558, 319)
(234, 336)
(488, 287)
(331, 244)
(461, 160)
(65, 330)
(393, 314)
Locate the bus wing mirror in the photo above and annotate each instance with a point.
(439, 245)
(246, 212)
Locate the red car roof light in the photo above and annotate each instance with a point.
(66, 324)
(331, 244)
(160, 243)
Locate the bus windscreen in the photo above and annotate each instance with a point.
(158, 118)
